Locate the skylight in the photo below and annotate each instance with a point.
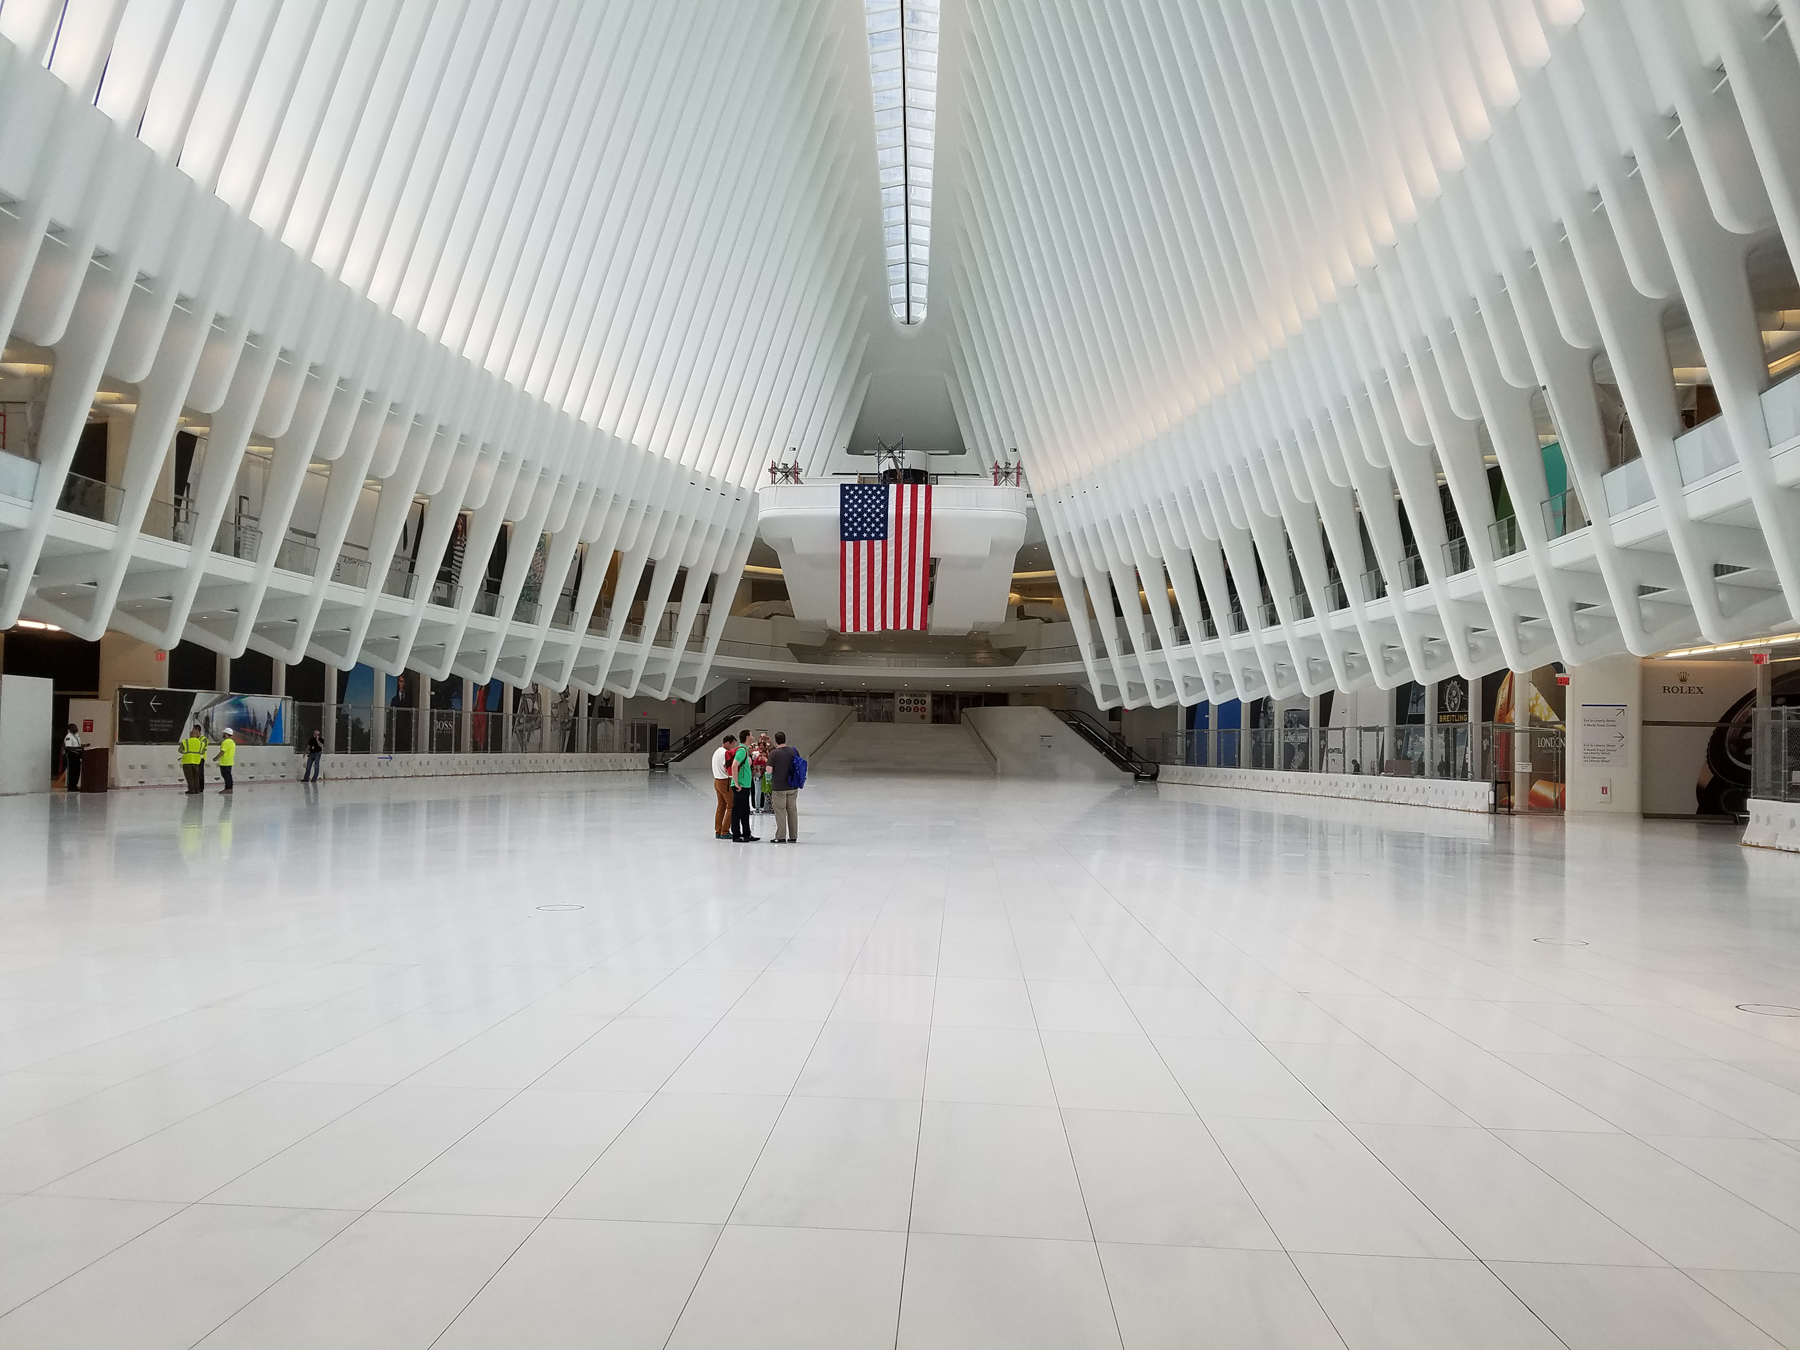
(903, 51)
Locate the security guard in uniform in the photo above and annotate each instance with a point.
(193, 760)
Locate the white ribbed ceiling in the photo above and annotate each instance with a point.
(652, 216)
(1284, 305)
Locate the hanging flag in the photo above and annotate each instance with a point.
(884, 570)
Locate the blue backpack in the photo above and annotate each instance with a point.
(797, 772)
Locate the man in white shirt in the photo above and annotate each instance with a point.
(721, 767)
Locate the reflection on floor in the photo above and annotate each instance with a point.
(986, 1064)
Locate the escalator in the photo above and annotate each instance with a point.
(703, 732)
(1118, 754)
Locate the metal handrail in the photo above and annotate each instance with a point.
(701, 733)
(1117, 752)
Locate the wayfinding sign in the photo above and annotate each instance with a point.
(1605, 737)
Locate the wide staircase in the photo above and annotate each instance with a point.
(908, 748)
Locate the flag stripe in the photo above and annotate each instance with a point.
(884, 580)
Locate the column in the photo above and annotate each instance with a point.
(1605, 721)
(1521, 741)
(465, 728)
(1431, 743)
(378, 737)
(328, 714)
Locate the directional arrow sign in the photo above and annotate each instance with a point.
(1605, 740)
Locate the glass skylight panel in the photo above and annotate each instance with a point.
(903, 42)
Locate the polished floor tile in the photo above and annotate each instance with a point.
(1503, 1206)
(683, 1159)
(1615, 1308)
(573, 1276)
(984, 1064)
(836, 1162)
(1205, 1298)
(523, 1159)
(386, 1280)
(1159, 1178)
(1385, 1303)
(172, 1285)
(997, 1171)
(46, 1238)
(795, 1289)
(993, 1293)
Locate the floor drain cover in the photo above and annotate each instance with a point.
(1561, 942)
(1769, 1009)
(562, 907)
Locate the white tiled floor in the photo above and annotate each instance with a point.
(978, 1064)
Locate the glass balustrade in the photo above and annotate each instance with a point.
(350, 729)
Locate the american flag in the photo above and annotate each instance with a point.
(884, 573)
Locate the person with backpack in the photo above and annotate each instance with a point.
(787, 775)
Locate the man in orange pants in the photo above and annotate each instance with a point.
(721, 767)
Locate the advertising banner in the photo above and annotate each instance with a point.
(163, 716)
(1697, 736)
(1452, 700)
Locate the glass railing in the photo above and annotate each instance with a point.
(1563, 514)
(297, 554)
(1627, 486)
(1460, 751)
(351, 568)
(487, 603)
(239, 538)
(446, 594)
(363, 730)
(1336, 596)
(90, 499)
(1049, 656)
(399, 580)
(526, 611)
(1458, 556)
(1374, 584)
(103, 502)
(173, 521)
(1775, 754)
(1412, 572)
(1506, 537)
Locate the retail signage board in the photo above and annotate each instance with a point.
(1606, 734)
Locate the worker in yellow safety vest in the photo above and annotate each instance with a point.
(193, 760)
(226, 757)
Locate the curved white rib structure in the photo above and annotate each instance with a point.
(1288, 263)
(574, 267)
(1280, 304)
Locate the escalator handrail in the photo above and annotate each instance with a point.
(1121, 755)
(703, 733)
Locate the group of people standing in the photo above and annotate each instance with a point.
(752, 772)
(192, 748)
